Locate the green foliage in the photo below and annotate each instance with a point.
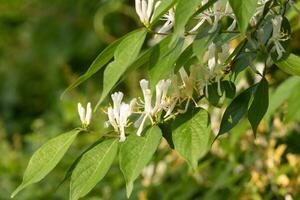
(102, 59)
(165, 64)
(243, 10)
(235, 111)
(290, 65)
(228, 90)
(136, 153)
(185, 10)
(46, 158)
(206, 68)
(259, 105)
(281, 94)
(191, 134)
(92, 167)
(125, 54)
(162, 8)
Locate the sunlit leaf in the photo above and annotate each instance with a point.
(184, 10)
(46, 158)
(290, 65)
(191, 135)
(136, 152)
(165, 65)
(243, 10)
(125, 54)
(92, 167)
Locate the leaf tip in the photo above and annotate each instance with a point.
(19, 188)
(129, 188)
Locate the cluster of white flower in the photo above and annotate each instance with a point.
(277, 36)
(172, 96)
(145, 9)
(120, 112)
(214, 15)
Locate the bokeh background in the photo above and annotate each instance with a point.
(46, 44)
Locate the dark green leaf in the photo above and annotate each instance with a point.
(136, 152)
(235, 111)
(259, 105)
(227, 88)
(46, 158)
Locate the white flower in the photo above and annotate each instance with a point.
(149, 112)
(216, 65)
(212, 60)
(170, 19)
(213, 17)
(85, 114)
(277, 36)
(144, 9)
(119, 113)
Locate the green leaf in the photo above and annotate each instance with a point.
(205, 7)
(290, 65)
(191, 135)
(281, 94)
(135, 154)
(102, 59)
(163, 7)
(227, 87)
(202, 41)
(125, 54)
(76, 161)
(46, 158)
(293, 113)
(184, 11)
(165, 65)
(92, 167)
(259, 105)
(243, 10)
(235, 111)
(149, 57)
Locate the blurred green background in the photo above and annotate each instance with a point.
(45, 45)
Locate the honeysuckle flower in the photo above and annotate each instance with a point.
(189, 81)
(118, 114)
(170, 19)
(214, 15)
(160, 102)
(277, 36)
(144, 9)
(212, 60)
(85, 114)
(216, 65)
(259, 11)
(217, 16)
